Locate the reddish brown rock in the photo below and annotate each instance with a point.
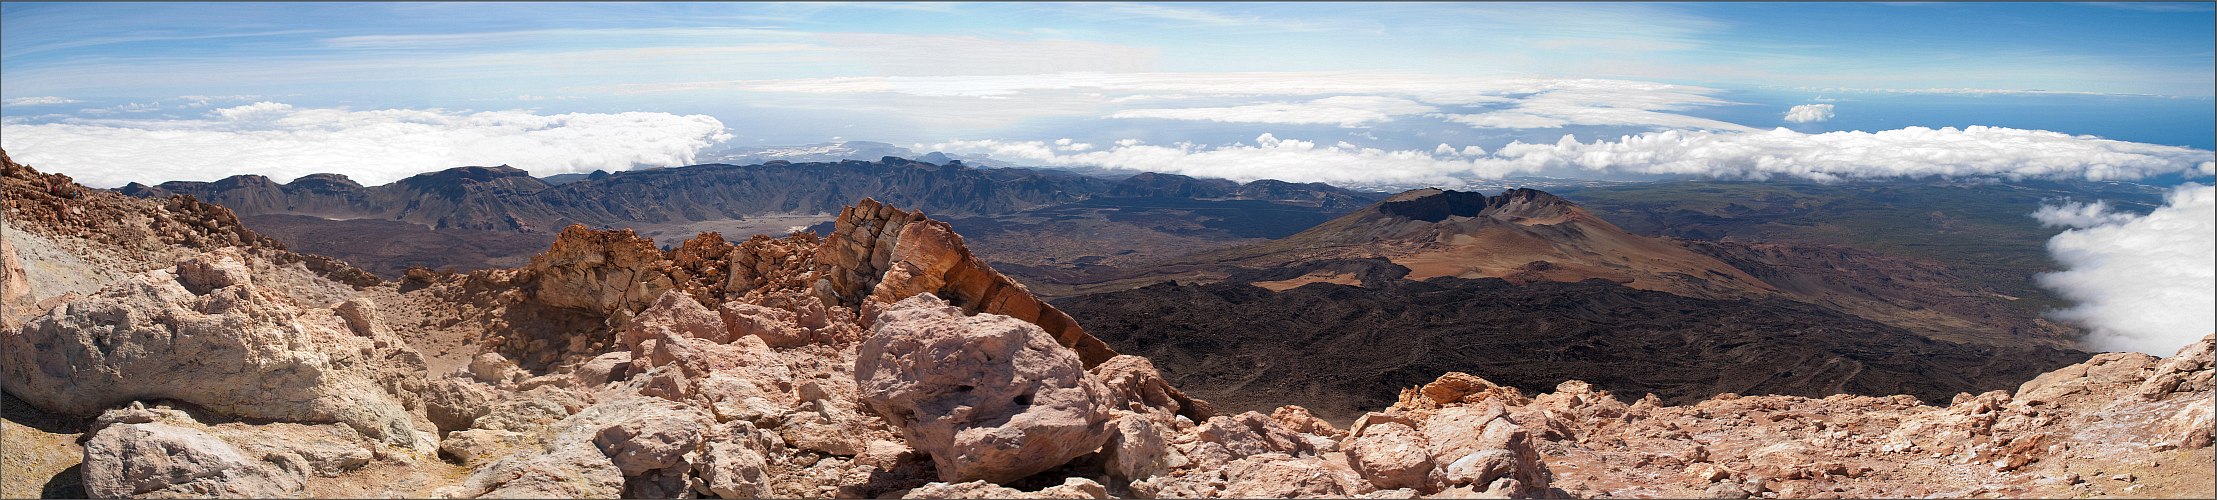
(605, 272)
(988, 397)
(1390, 455)
(879, 255)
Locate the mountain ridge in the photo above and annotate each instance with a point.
(506, 199)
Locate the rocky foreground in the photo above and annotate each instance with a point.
(153, 348)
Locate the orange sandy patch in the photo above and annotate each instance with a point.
(1314, 277)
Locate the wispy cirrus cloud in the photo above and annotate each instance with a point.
(38, 101)
(1344, 111)
(1347, 99)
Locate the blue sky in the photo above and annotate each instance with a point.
(576, 86)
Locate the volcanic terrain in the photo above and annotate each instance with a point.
(157, 348)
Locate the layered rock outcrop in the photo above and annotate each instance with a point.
(880, 254)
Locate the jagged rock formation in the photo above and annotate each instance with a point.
(881, 254)
(744, 377)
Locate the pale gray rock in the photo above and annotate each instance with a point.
(159, 459)
(238, 349)
(737, 464)
(1278, 475)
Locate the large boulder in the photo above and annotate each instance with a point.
(160, 452)
(988, 397)
(1390, 455)
(1276, 475)
(205, 333)
(1480, 447)
(631, 446)
(1137, 450)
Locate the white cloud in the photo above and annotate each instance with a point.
(1350, 98)
(202, 101)
(1908, 152)
(1809, 113)
(1427, 88)
(2077, 215)
(1557, 104)
(38, 101)
(1345, 111)
(1969, 91)
(2148, 283)
(373, 146)
(1990, 152)
(1269, 158)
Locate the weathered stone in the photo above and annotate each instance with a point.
(1390, 455)
(1137, 387)
(158, 459)
(239, 349)
(455, 403)
(657, 441)
(1277, 475)
(604, 272)
(474, 446)
(1253, 433)
(988, 397)
(1136, 451)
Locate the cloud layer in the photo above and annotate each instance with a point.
(2142, 283)
(1269, 158)
(373, 147)
(1809, 113)
(2077, 215)
(1910, 152)
(1345, 111)
(1346, 99)
(38, 101)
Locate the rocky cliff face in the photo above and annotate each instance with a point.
(609, 368)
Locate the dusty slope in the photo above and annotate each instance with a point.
(1328, 346)
(1522, 235)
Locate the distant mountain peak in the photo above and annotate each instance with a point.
(1437, 205)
